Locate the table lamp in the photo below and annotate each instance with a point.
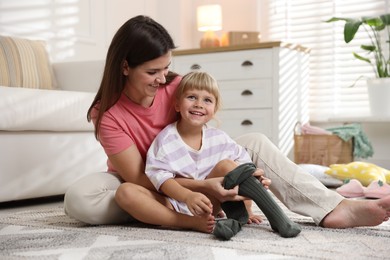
(209, 19)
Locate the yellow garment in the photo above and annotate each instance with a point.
(361, 171)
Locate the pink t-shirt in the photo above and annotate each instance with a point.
(127, 123)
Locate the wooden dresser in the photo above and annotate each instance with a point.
(264, 86)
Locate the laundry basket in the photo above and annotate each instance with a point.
(322, 149)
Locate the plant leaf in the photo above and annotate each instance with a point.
(385, 19)
(350, 29)
(335, 19)
(372, 21)
(354, 83)
(370, 48)
(357, 56)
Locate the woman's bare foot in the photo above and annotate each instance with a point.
(358, 213)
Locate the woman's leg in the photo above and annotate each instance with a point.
(299, 191)
(304, 194)
(91, 199)
(153, 208)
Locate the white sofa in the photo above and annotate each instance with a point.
(46, 142)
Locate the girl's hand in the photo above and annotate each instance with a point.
(199, 204)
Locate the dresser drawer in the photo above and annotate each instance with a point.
(256, 93)
(224, 66)
(239, 122)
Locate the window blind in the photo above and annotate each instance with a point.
(333, 68)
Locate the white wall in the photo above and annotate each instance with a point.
(82, 29)
(73, 29)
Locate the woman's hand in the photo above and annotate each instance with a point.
(213, 186)
(259, 174)
(199, 204)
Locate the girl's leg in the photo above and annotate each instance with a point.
(152, 208)
(91, 199)
(250, 186)
(304, 194)
(221, 169)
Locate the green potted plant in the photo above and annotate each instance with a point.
(378, 55)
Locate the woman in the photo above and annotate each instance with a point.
(134, 103)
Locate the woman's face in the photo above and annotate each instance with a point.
(144, 80)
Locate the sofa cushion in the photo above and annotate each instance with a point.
(25, 63)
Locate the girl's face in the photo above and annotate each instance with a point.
(196, 107)
(144, 80)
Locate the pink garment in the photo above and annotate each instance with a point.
(127, 123)
(308, 129)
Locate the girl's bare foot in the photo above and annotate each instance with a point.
(357, 213)
(221, 214)
(203, 223)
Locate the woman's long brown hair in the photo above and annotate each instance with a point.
(139, 40)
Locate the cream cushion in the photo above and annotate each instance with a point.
(318, 171)
(25, 63)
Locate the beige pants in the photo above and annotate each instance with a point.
(91, 199)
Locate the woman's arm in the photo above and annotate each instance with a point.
(212, 186)
(131, 167)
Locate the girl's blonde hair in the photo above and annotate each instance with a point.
(199, 81)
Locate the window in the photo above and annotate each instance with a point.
(332, 66)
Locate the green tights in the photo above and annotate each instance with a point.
(237, 216)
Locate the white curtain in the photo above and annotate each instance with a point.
(332, 66)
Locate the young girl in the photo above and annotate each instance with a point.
(189, 148)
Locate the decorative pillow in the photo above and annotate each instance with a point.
(318, 171)
(361, 171)
(25, 63)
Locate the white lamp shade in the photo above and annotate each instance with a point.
(209, 18)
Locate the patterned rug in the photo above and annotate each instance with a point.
(47, 233)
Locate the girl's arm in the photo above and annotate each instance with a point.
(196, 202)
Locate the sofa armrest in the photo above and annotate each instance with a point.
(27, 109)
(82, 76)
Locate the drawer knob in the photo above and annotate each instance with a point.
(246, 122)
(246, 63)
(195, 67)
(246, 92)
